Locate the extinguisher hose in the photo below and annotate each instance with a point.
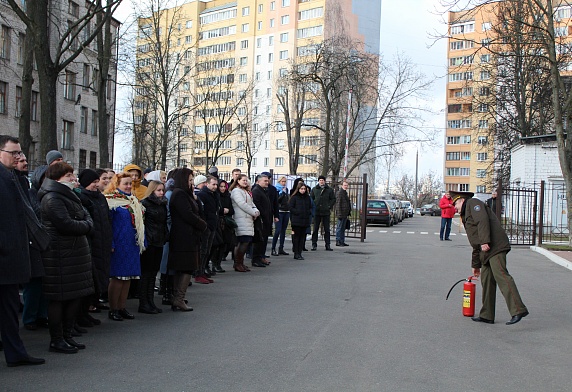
(451, 289)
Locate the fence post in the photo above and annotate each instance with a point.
(499, 199)
(541, 212)
(363, 219)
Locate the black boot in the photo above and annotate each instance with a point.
(168, 296)
(151, 295)
(144, 306)
(162, 284)
(68, 337)
(281, 252)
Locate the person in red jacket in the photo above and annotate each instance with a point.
(447, 214)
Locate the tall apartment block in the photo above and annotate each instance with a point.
(77, 107)
(256, 40)
(469, 148)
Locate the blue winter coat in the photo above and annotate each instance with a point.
(125, 259)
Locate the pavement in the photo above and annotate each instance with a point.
(368, 317)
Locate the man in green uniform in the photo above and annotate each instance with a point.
(490, 246)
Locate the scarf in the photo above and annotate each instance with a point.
(119, 199)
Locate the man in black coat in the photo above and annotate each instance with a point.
(261, 198)
(325, 199)
(14, 253)
(211, 207)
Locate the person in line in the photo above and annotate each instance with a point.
(99, 240)
(283, 217)
(301, 216)
(104, 178)
(324, 199)
(343, 209)
(156, 234)
(127, 244)
(244, 214)
(226, 227)
(145, 181)
(67, 263)
(187, 227)
(35, 311)
(261, 198)
(166, 280)
(447, 214)
(235, 174)
(137, 188)
(213, 171)
(157, 175)
(54, 156)
(14, 252)
(492, 201)
(490, 247)
(211, 210)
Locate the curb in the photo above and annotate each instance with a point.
(552, 257)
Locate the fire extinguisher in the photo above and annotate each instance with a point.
(469, 291)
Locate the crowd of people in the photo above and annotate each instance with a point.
(78, 245)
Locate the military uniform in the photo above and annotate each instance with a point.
(483, 227)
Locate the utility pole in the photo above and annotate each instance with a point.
(416, 177)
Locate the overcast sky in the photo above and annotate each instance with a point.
(406, 27)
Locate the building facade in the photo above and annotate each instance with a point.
(239, 50)
(77, 107)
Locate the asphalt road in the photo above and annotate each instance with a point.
(369, 317)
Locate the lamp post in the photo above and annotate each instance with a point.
(388, 161)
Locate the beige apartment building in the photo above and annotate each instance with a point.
(76, 91)
(247, 45)
(469, 148)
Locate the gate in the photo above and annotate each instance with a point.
(357, 191)
(519, 214)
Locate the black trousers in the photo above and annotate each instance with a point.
(151, 260)
(298, 238)
(259, 249)
(61, 316)
(14, 349)
(325, 220)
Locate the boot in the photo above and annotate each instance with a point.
(168, 296)
(151, 295)
(239, 262)
(181, 284)
(67, 333)
(281, 252)
(144, 306)
(162, 284)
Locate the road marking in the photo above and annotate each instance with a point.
(410, 232)
(437, 233)
(383, 231)
(369, 231)
(397, 232)
(424, 232)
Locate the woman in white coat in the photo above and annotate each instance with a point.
(245, 212)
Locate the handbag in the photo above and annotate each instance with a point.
(230, 222)
(348, 224)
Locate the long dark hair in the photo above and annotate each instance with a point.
(297, 190)
(225, 184)
(181, 178)
(235, 183)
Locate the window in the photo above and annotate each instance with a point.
(457, 124)
(257, 76)
(254, 162)
(268, 92)
(486, 26)
(271, 23)
(69, 86)
(239, 161)
(256, 93)
(485, 42)
(183, 147)
(94, 122)
(218, 16)
(5, 42)
(483, 140)
(282, 72)
(82, 159)
(34, 108)
(220, 32)
(109, 87)
(453, 140)
(482, 156)
(483, 108)
(67, 134)
(269, 75)
(242, 78)
(466, 156)
(485, 75)
(272, 5)
(462, 28)
(284, 37)
(245, 28)
(260, 8)
(283, 55)
(481, 173)
(243, 60)
(189, 24)
(244, 44)
(267, 109)
(266, 162)
(271, 40)
(453, 156)
(259, 25)
(83, 120)
(245, 11)
(92, 159)
(95, 80)
(464, 187)
(279, 161)
(310, 32)
(86, 80)
(466, 139)
(483, 124)
(280, 144)
(484, 91)
(460, 45)
(224, 161)
(73, 9)
(455, 77)
(3, 96)
(485, 58)
(258, 59)
(481, 189)
(258, 42)
(285, 19)
(285, 3)
(72, 35)
(270, 57)
(18, 101)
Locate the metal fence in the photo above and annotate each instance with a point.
(535, 213)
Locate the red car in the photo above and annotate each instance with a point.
(379, 212)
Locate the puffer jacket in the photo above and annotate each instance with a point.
(324, 199)
(156, 231)
(138, 189)
(283, 198)
(300, 210)
(67, 262)
(100, 237)
(244, 211)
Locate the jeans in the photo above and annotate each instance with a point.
(445, 227)
(325, 220)
(341, 230)
(280, 229)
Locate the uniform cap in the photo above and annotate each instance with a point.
(458, 195)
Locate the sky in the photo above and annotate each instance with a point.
(406, 28)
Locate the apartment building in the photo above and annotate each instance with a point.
(77, 108)
(249, 45)
(469, 147)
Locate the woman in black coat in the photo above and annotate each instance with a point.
(156, 233)
(225, 233)
(300, 217)
(67, 262)
(185, 236)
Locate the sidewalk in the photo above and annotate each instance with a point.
(562, 258)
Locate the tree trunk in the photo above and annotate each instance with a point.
(25, 105)
(104, 46)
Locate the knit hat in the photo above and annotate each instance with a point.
(87, 176)
(213, 170)
(200, 179)
(267, 174)
(52, 156)
(148, 170)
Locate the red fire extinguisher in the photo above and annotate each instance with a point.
(469, 291)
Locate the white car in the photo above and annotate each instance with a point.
(408, 207)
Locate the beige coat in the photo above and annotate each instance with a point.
(244, 211)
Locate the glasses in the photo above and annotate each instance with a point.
(14, 153)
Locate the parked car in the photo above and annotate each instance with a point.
(379, 212)
(396, 210)
(408, 208)
(430, 209)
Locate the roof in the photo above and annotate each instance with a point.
(220, 7)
